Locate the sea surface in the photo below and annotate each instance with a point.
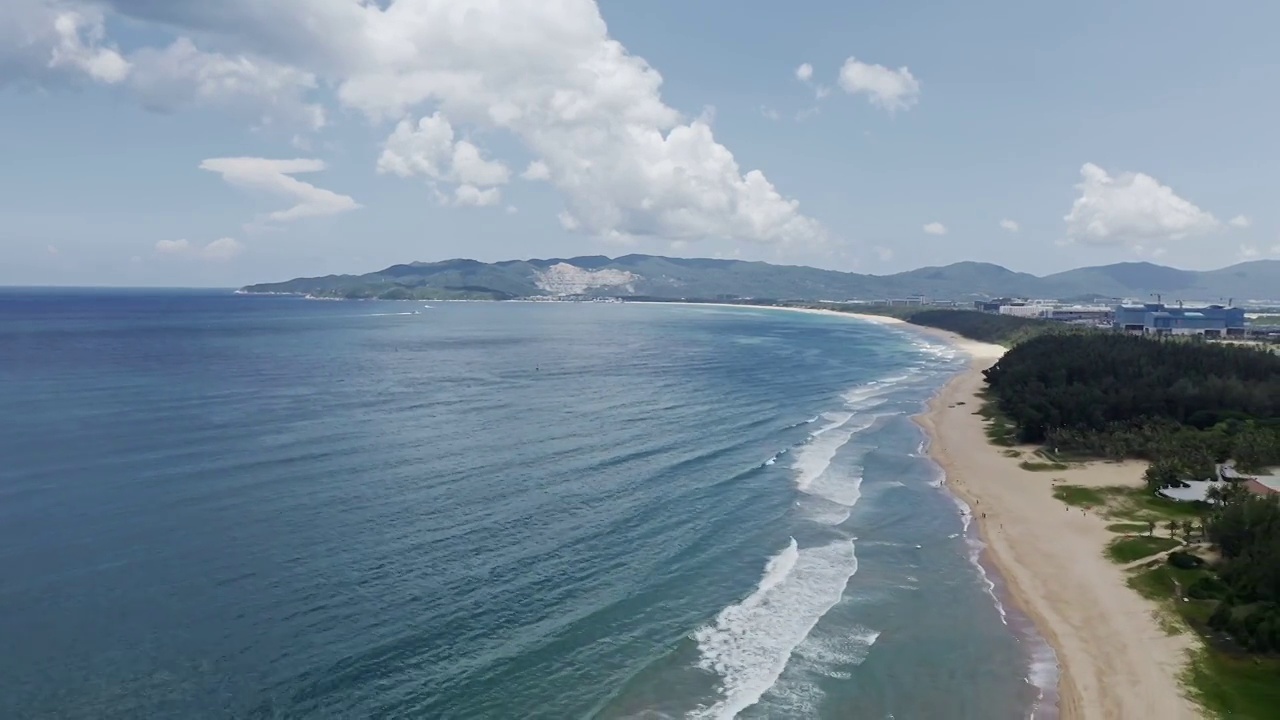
(226, 506)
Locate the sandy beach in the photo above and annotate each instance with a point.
(1114, 659)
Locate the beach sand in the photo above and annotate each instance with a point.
(1114, 659)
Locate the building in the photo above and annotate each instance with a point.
(1160, 319)
(1081, 314)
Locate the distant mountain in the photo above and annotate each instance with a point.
(674, 278)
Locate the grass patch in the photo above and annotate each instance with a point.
(1011, 453)
(1041, 466)
(1226, 683)
(999, 430)
(1236, 687)
(1145, 504)
(1079, 496)
(1129, 549)
(1130, 528)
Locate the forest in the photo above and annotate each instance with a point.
(1182, 405)
(1246, 530)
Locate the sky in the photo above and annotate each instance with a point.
(196, 143)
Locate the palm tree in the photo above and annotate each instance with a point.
(1172, 527)
(1151, 528)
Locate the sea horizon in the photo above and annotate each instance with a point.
(623, 510)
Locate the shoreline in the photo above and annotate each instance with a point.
(1113, 658)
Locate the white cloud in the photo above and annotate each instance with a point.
(1131, 209)
(274, 177)
(548, 74)
(769, 113)
(935, 228)
(1009, 225)
(1240, 221)
(430, 149)
(266, 92)
(52, 249)
(883, 253)
(222, 249)
(885, 88)
(512, 210)
(43, 41)
(537, 170)
(103, 64)
(804, 73)
(172, 247)
(218, 250)
(476, 197)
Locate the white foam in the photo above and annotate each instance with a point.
(750, 643)
(814, 457)
(799, 692)
(1043, 674)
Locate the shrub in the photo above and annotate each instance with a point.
(1208, 588)
(1185, 560)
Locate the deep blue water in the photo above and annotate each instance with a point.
(220, 506)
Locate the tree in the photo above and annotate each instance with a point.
(1151, 528)
(1172, 527)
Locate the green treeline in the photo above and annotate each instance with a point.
(1184, 406)
(984, 327)
(1246, 529)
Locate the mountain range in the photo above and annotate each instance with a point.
(692, 278)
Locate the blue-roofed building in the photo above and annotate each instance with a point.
(1160, 319)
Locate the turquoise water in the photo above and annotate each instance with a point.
(219, 506)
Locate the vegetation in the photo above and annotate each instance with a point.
(1079, 496)
(984, 327)
(1131, 528)
(1129, 549)
(1246, 530)
(1183, 406)
(1036, 466)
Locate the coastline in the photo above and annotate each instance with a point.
(1114, 659)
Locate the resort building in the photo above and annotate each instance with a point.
(1160, 319)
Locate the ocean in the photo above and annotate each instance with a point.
(226, 506)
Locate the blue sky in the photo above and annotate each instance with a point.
(191, 143)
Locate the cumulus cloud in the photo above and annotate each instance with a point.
(804, 73)
(267, 93)
(221, 249)
(476, 197)
(549, 74)
(935, 228)
(42, 42)
(537, 170)
(275, 177)
(886, 88)
(1240, 221)
(1009, 225)
(1131, 209)
(883, 253)
(430, 149)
